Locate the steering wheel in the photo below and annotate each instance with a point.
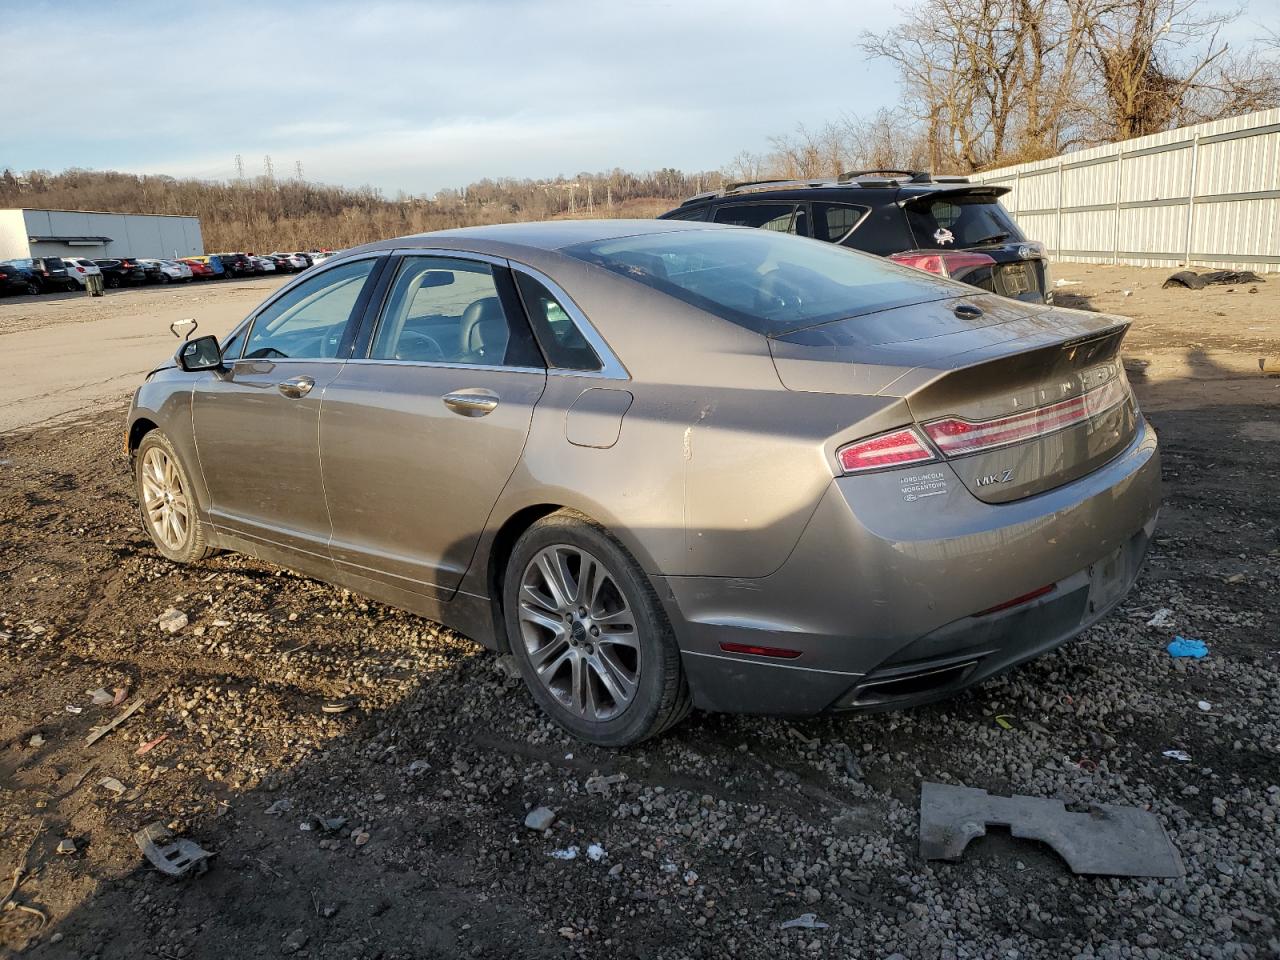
(419, 346)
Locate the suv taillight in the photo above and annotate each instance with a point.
(943, 264)
(898, 448)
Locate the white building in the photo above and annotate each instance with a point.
(85, 233)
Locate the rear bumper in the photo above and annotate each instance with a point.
(881, 592)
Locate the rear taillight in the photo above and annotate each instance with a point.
(4, 276)
(780, 653)
(956, 437)
(79, 269)
(895, 449)
(943, 264)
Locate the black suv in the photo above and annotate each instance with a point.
(945, 225)
(237, 264)
(118, 272)
(50, 273)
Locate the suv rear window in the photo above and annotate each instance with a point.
(960, 220)
(763, 281)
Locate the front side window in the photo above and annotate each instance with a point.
(307, 323)
(765, 281)
(779, 217)
(449, 310)
(561, 340)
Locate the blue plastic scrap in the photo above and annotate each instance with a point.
(1182, 647)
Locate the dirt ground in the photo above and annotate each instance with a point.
(395, 830)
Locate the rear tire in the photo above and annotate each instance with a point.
(166, 501)
(593, 643)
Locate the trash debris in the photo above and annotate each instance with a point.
(1162, 618)
(540, 818)
(71, 708)
(596, 853)
(120, 694)
(360, 836)
(150, 745)
(67, 846)
(1182, 647)
(806, 921)
(333, 823)
(1180, 755)
(1198, 281)
(1235, 578)
(1111, 840)
(97, 733)
(36, 740)
(112, 784)
(1002, 721)
(568, 853)
(283, 805)
(176, 859)
(172, 620)
(99, 697)
(601, 785)
(690, 877)
(418, 766)
(340, 705)
(1067, 283)
(1204, 705)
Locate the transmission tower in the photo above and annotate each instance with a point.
(297, 168)
(239, 167)
(266, 166)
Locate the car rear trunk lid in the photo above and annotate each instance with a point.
(1017, 399)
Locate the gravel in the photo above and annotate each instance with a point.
(442, 773)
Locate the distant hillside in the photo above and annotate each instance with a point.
(262, 215)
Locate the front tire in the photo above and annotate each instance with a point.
(167, 502)
(593, 644)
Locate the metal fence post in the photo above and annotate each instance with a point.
(1115, 233)
(1057, 223)
(1191, 197)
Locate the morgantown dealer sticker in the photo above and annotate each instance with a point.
(920, 485)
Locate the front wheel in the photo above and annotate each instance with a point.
(167, 502)
(592, 641)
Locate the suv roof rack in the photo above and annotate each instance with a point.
(912, 176)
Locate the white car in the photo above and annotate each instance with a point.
(262, 264)
(170, 270)
(296, 260)
(323, 255)
(78, 269)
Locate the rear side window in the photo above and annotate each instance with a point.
(835, 221)
(762, 280)
(779, 217)
(450, 310)
(559, 336)
(959, 220)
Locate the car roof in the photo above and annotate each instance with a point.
(860, 190)
(549, 234)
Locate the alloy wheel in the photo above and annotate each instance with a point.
(579, 632)
(164, 499)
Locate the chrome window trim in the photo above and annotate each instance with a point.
(451, 254)
(446, 365)
(611, 367)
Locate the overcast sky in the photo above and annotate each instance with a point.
(419, 96)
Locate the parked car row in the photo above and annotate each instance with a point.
(35, 275)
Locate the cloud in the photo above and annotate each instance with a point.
(425, 95)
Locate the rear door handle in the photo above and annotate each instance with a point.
(471, 403)
(296, 387)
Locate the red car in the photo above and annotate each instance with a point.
(199, 269)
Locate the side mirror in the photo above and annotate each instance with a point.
(202, 353)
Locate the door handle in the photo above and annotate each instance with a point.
(471, 404)
(296, 387)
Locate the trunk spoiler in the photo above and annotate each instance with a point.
(979, 190)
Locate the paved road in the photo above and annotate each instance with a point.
(64, 355)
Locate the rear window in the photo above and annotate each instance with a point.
(957, 220)
(835, 221)
(766, 281)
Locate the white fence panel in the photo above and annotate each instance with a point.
(1206, 195)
